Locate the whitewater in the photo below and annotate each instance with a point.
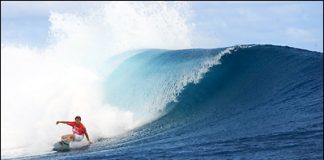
(144, 92)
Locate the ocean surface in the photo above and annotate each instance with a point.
(240, 102)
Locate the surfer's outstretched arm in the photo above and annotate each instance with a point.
(57, 122)
(86, 134)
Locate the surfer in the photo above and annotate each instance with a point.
(78, 130)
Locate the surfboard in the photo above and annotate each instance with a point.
(61, 146)
(83, 147)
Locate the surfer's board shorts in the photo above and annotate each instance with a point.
(78, 137)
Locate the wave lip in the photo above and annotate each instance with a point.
(149, 80)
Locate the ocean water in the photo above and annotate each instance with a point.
(240, 102)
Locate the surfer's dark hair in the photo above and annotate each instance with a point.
(78, 117)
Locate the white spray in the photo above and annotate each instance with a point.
(41, 86)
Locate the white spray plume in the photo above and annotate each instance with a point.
(41, 86)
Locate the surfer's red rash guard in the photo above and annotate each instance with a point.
(80, 130)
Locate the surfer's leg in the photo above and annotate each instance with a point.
(63, 137)
(68, 137)
(72, 137)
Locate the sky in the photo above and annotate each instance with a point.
(213, 24)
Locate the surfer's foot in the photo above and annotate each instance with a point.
(64, 142)
(67, 143)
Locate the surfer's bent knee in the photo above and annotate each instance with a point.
(72, 137)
